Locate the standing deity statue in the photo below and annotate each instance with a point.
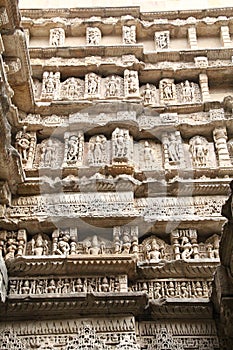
(23, 144)
(131, 83)
(57, 37)
(93, 36)
(121, 144)
(50, 85)
(174, 148)
(48, 154)
(149, 94)
(97, 150)
(162, 40)
(113, 86)
(199, 149)
(129, 34)
(148, 155)
(188, 91)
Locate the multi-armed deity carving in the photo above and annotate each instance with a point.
(72, 89)
(98, 150)
(131, 83)
(162, 40)
(25, 143)
(129, 34)
(74, 148)
(114, 86)
(93, 36)
(50, 86)
(122, 145)
(64, 241)
(12, 244)
(173, 149)
(57, 37)
(199, 149)
(92, 85)
(125, 239)
(51, 153)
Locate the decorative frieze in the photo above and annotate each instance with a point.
(58, 286)
(178, 289)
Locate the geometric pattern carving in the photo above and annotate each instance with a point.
(165, 341)
(10, 341)
(86, 340)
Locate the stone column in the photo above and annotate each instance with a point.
(192, 38)
(203, 79)
(32, 150)
(225, 37)
(220, 139)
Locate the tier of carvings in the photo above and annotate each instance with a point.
(116, 87)
(72, 150)
(184, 245)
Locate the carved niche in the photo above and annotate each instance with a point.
(13, 244)
(72, 89)
(155, 249)
(199, 149)
(122, 145)
(64, 241)
(74, 148)
(131, 83)
(50, 86)
(149, 95)
(114, 87)
(93, 36)
(129, 34)
(95, 246)
(167, 91)
(25, 143)
(51, 153)
(125, 239)
(188, 92)
(92, 85)
(57, 37)
(39, 245)
(98, 150)
(173, 149)
(150, 155)
(184, 244)
(162, 40)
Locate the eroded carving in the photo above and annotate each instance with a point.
(162, 40)
(57, 37)
(199, 149)
(93, 36)
(129, 34)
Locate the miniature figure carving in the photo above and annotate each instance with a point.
(174, 148)
(51, 153)
(213, 247)
(199, 149)
(167, 90)
(162, 40)
(61, 244)
(93, 36)
(57, 37)
(75, 146)
(129, 34)
(188, 91)
(23, 144)
(149, 156)
(121, 143)
(48, 154)
(186, 248)
(39, 245)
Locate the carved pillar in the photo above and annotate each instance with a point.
(220, 139)
(203, 79)
(27, 36)
(32, 150)
(192, 38)
(22, 239)
(225, 37)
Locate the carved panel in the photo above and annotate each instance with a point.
(98, 150)
(39, 245)
(131, 83)
(25, 143)
(167, 91)
(188, 92)
(92, 85)
(150, 155)
(125, 239)
(199, 149)
(12, 243)
(162, 40)
(122, 145)
(74, 149)
(72, 89)
(114, 87)
(50, 86)
(173, 149)
(93, 36)
(57, 37)
(149, 95)
(129, 34)
(51, 153)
